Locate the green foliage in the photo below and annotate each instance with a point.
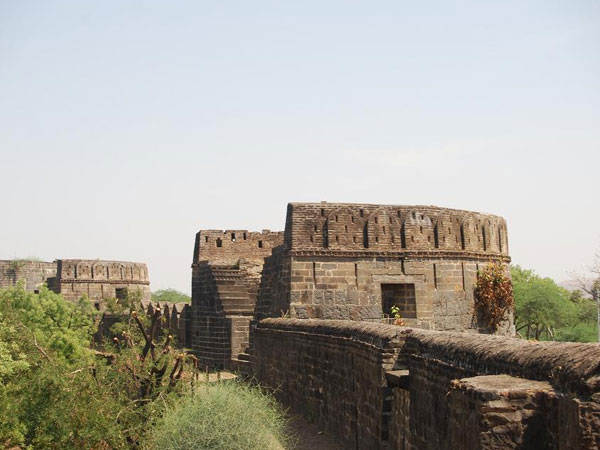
(44, 320)
(228, 415)
(171, 296)
(546, 311)
(58, 393)
(493, 295)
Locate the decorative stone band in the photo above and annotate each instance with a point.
(103, 281)
(403, 253)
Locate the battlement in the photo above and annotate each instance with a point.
(322, 228)
(86, 270)
(229, 246)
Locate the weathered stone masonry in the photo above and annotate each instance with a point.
(352, 261)
(342, 261)
(226, 274)
(380, 386)
(73, 278)
(32, 273)
(100, 279)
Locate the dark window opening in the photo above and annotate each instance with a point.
(260, 244)
(376, 220)
(97, 306)
(500, 240)
(352, 219)
(365, 236)
(244, 236)
(384, 229)
(436, 237)
(346, 228)
(219, 242)
(462, 237)
(362, 213)
(205, 238)
(316, 229)
(121, 294)
(377, 240)
(484, 239)
(354, 239)
(233, 237)
(400, 295)
(414, 215)
(322, 212)
(337, 239)
(312, 239)
(36, 291)
(403, 236)
(336, 218)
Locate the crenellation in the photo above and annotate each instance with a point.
(343, 261)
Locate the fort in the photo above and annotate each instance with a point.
(341, 261)
(306, 312)
(301, 311)
(73, 278)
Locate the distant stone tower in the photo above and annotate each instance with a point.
(73, 278)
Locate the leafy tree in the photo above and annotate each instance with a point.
(544, 310)
(171, 296)
(541, 305)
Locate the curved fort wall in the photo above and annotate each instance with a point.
(341, 261)
(101, 279)
(376, 386)
(354, 261)
(73, 278)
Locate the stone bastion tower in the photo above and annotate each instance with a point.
(97, 279)
(342, 261)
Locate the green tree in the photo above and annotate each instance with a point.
(546, 311)
(541, 306)
(171, 296)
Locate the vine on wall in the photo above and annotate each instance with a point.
(493, 295)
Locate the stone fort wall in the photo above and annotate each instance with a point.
(32, 273)
(101, 279)
(226, 273)
(73, 278)
(377, 386)
(353, 261)
(342, 261)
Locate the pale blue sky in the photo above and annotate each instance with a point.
(126, 126)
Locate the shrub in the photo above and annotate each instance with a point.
(493, 295)
(227, 415)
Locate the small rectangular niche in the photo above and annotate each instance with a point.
(401, 295)
(260, 244)
(121, 294)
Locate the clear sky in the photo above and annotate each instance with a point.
(127, 126)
